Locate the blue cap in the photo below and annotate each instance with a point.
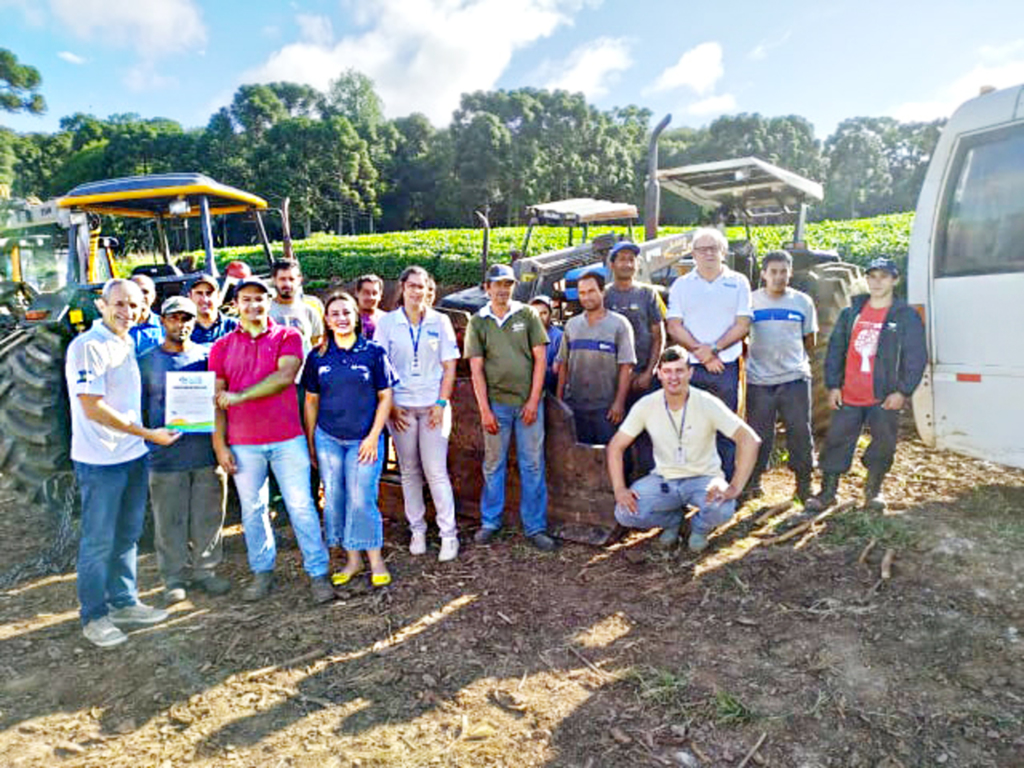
(500, 272)
(623, 245)
(886, 265)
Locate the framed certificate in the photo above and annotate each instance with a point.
(189, 405)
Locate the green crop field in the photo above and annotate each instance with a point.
(453, 255)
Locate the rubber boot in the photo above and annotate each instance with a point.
(873, 498)
(827, 495)
(803, 489)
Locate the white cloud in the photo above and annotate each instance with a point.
(1001, 52)
(698, 69)
(761, 50)
(71, 58)
(966, 87)
(152, 27)
(423, 54)
(145, 77)
(315, 29)
(713, 105)
(591, 68)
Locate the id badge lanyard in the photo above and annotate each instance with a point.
(415, 339)
(680, 451)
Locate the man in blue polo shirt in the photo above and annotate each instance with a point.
(186, 485)
(782, 337)
(147, 331)
(210, 323)
(709, 314)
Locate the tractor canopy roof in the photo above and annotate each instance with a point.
(748, 184)
(160, 195)
(581, 210)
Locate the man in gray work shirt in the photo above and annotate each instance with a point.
(596, 359)
(782, 335)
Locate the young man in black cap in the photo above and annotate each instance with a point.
(876, 357)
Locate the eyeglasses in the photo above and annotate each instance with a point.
(706, 249)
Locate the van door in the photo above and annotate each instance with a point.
(977, 301)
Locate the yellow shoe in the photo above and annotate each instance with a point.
(380, 579)
(341, 578)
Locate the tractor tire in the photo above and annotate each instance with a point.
(35, 428)
(831, 287)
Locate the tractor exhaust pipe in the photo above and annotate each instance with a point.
(486, 224)
(652, 196)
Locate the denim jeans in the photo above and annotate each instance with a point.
(423, 453)
(113, 512)
(351, 516)
(533, 497)
(726, 387)
(289, 460)
(662, 503)
(792, 402)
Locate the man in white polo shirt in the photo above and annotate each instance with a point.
(109, 453)
(709, 314)
(682, 422)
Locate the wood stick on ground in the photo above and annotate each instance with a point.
(866, 551)
(836, 510)
(753, 751)
(587, 661)
(790, 534)
(775, 509)
(887, 558)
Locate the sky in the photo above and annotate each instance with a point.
(826, 61)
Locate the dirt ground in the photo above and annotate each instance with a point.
(627, 656)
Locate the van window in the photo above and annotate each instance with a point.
(984, 232)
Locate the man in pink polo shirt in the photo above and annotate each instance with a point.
(258, 428)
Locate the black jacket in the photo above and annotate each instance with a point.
(902, 352)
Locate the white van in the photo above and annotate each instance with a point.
(966, 276)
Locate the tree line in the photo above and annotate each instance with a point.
(348, 169)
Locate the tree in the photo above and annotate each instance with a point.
(859, 182)
(18, 86)
(353, 96)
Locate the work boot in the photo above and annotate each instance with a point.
(259, 587)
(322, 590)
(212, 584)
(874, 501)
(543, 542)
(827, 495)
(669, 536)
(803, 489)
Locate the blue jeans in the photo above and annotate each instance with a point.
(533, 496)
(113, 512)
(662, 503)
(289, 460)
(351, 517)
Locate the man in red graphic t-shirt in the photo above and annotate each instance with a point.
(876, 357)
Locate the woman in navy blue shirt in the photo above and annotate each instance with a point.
(348, 382)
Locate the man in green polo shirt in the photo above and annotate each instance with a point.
(507, 349)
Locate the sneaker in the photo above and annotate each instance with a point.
(484, 535)
(322, 590)
(212, 584)
(418, 545)
(669, 537)
(103, 634)
(259, 588)
(174, 593)
(697, 542)
(543, 542)
(449, 549)
(138, 615)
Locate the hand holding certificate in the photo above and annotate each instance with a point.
(189, 405)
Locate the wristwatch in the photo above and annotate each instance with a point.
(442, 402)
(714, 349)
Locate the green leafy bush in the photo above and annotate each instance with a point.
(453, 255)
